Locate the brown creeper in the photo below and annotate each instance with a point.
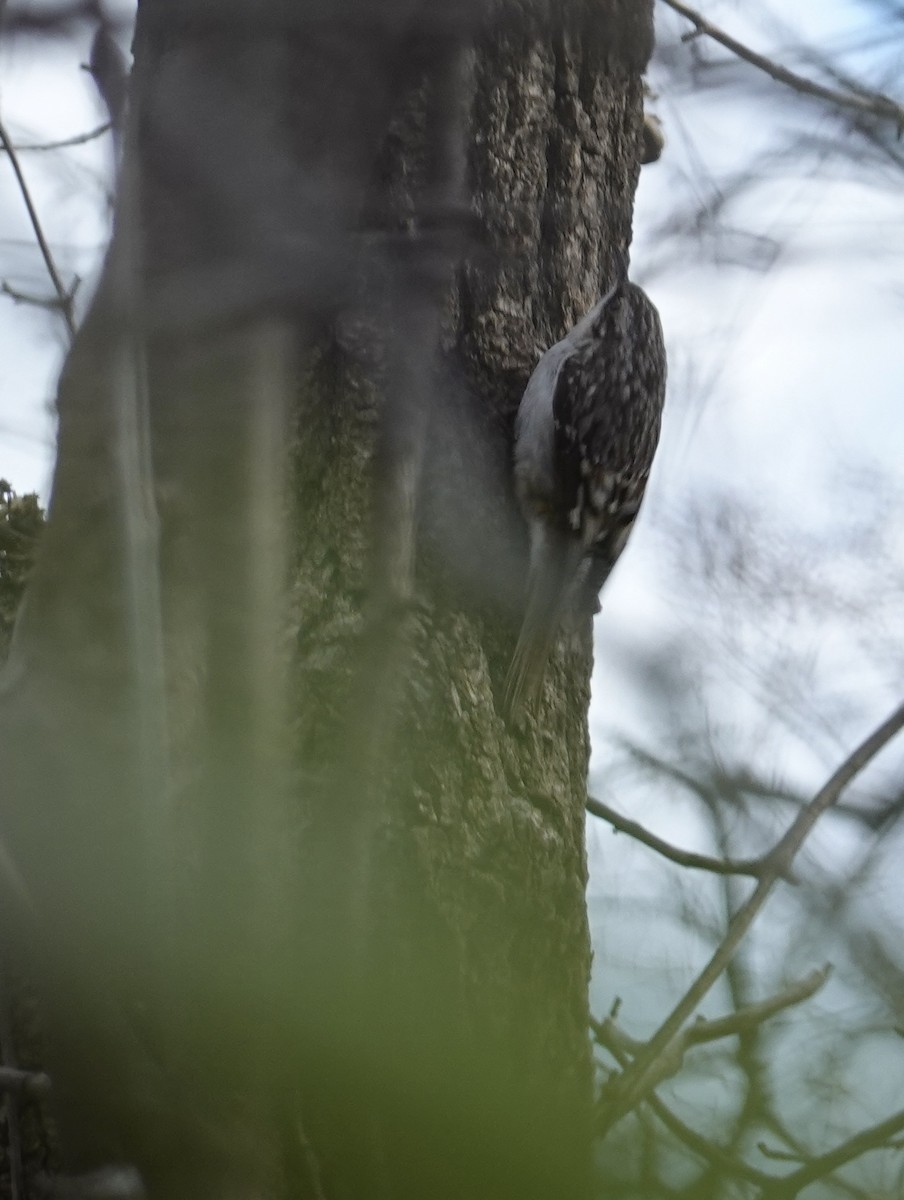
(585, 435)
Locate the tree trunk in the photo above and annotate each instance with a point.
(311, 916)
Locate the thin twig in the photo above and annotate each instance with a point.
(740, 781)
(20, 297)
(874, 1138)
(797, 1154)
(789, 1186)
(60, 289)
(872, 104)
(78, 139)
(753, 867)
(785, 1156)
(750, 1017)
(709, 1151)
(635, 1082)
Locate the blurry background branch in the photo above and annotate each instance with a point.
(875, 1137)
(732, 1164)
(64, 294)
(865, 103)
(49, 302)
(623, 1048)
(754, 867)
(624, 1093)
(668, 1063)
(78, 139)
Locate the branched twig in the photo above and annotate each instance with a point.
(754, 867)
(636, 1081)
(792, 1156)
(65, 298)
(51, 302)
(78, 139)
(786, 1187)
(740, 781)
(796, 1154)
(874, 1138)
(709, 1151)
(608, 1034)
(751, 1016)
(870, 104)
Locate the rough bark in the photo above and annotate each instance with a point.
(371, 889)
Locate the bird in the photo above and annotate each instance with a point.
(586, 431)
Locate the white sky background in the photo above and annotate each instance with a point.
(44, 96)
(787, 385)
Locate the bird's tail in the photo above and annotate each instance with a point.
(549, 586)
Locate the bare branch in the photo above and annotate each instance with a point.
(709, 1151)
(870, 104)
(876, 1137)
(20, 297)
(636, 1081)
(751, 1016)
(753, 867)
(65, 298)
(754, 1015)
(738, 780)
(731, 1164)
(78, 139)
(792, 1156)
(879, 1136)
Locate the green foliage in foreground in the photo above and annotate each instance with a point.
(21, 522)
